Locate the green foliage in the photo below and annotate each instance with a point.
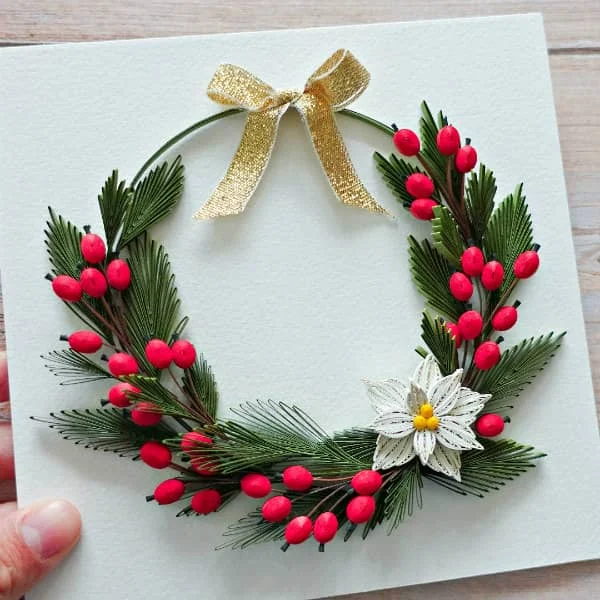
(152, 390)
(429, 127)
(113, 200)
(446, 237)
(441, 343)
(485, 470)
(431, 272)
(201, 386)
(479, 201)
(74, 367)
(395, 171)
(509, 233)
(403, 494)
(271, 435)
(63, 244)
(106, 429)
(517, 368)
(151, 299)
(153, 199)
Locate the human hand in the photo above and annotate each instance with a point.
(33, 540)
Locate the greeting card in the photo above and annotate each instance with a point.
(301, 306)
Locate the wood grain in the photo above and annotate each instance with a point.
(573, 34)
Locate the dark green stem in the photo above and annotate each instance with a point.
(368, 120)
(180, 136)
(234, 111)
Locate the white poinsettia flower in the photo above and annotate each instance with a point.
(430, 418)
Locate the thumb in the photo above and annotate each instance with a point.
(32, 542)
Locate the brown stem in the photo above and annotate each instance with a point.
(324, 500)
(111, 327)
(201, 415)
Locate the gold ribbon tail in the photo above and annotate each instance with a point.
(333, 154)
(247, 166)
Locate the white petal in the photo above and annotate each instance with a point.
(396, 424)
(392, 452)
(427, 373)
(387, 395)
(469, 404)
(424, 443)
(454, 433)
(444, 393)
(445, 461)
(416, 397)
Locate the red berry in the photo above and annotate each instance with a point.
(455, 332)
(465, 159)
(298, 530)
(276, 509)
(297, 478)
(155, 455)
(526, 265)
(85, 341)
(93, 282)
(159, 354)
(360, 509)
(326, 526)
(206, 501)
(255, 485)
(460, 286)
(93, 248)
(122, 364)
(492, 275)
(118, 395)
(169, 491)
(489, 425)
(448, 140)
(366, 482)
(472, 261)
(194, 441)
(419, 185)
(422, 208)
(146, 414)
(67, 288)
(487, 355)
(504, 318)
(118, 274)
(470, 324)
(407, 142)
(184, 354)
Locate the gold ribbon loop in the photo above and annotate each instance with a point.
(336, 83)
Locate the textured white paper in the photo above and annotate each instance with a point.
(296, 299)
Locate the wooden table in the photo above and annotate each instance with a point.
(573, 34)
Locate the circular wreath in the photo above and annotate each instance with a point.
(438, 424)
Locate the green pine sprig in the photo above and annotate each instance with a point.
(518, 367)
(440, 342)
(105, 429)
(480, 192)
(446, 236)
(74, 367)
(488, 470)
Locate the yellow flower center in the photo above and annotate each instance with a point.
(426, 419)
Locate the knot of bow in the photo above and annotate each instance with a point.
(336, 83)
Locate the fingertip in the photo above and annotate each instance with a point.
(3, 377)
(50, 528)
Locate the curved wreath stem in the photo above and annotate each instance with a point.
(234, 111)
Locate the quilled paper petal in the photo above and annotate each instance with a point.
(454, 433)
(444, 393)
(446, 461)
(397, 424)
(388, 395)
(427, 373)
(424, 444)
(469, 404)
(392, 452)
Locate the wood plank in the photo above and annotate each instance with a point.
(568, 24)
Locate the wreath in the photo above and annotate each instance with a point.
(162, 398)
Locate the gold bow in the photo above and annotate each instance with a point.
(336, 83)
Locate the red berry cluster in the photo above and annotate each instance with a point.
(93, 281)
(420, 186)
(160, 355)
(325, 526)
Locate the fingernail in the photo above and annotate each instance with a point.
(51, 528)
